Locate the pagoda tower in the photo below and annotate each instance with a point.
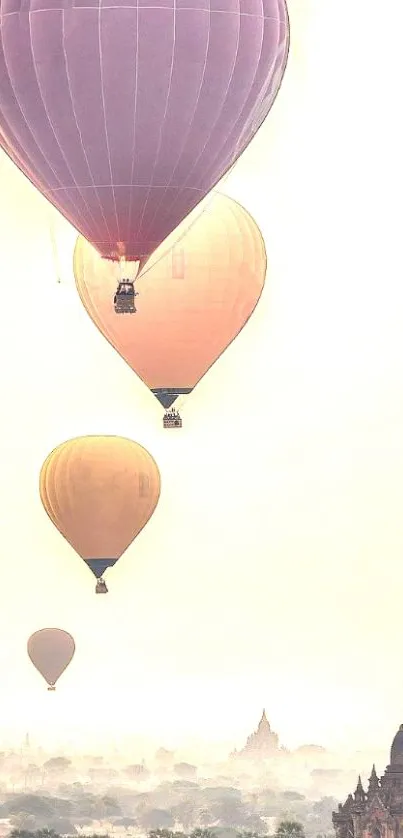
(261, 744)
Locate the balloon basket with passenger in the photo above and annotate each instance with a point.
(124, 300)
(100, 587)
(172, 419)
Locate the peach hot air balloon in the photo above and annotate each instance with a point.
(51, 650)
(99, 491)
(193, 301)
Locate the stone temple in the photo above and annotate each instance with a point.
(260, 744)
(377, 812)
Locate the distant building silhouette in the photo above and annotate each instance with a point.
(165, 758)
(185, 770)
(260, 744)
(377, 812)
(26, 744)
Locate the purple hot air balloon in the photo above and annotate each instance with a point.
(126, 113)
(51, 650)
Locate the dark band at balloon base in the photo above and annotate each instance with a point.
(167, 395)
(98, 566)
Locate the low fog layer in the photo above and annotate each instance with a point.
(246, 793)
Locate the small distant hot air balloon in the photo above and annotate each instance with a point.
(126, 115)
(193, 301)
(99, 491)
(51, 650)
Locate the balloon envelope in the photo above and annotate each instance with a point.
(99, 491)
(51, 650)
(192, 302)
(125, 115)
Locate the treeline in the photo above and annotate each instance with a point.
(198, 812)
(285, 829)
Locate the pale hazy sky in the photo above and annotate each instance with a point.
(272, 571)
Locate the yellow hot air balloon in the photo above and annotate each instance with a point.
(192, 302)
(99, 491)
(51, 650)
